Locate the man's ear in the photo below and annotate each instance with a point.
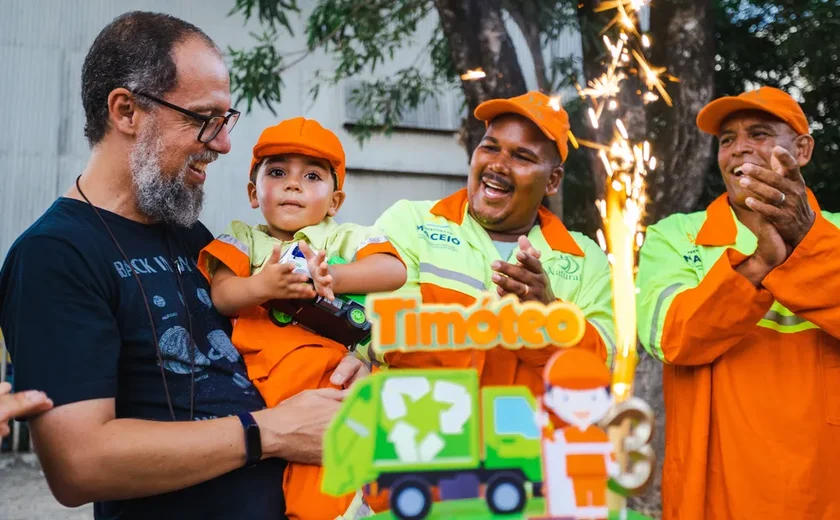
(804, 149)
(337, 200)
(252, 195)
(122, 112)
(554, 179)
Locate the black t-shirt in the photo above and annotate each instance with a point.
(73, 317)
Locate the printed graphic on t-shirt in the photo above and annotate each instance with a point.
(218, 366)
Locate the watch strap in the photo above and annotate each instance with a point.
(253, 441)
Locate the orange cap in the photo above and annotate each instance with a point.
(303, 136)
(536, 106)
(576, 369)
(766, 99)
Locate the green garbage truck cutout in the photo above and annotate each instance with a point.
(408, 429)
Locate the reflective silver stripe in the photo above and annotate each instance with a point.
(606, 337)
(451, 275)
(656, 310)
(229, 239)
(781, 319)
(381, 239)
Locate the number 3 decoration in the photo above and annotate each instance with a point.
(641, 458)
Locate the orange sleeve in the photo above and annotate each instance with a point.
(219, 251)
(807, 282)
(704, 322)
(385, 248)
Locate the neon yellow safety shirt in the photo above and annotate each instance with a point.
(752, 375)
(448, 256)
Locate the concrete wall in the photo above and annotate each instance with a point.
(42, 146)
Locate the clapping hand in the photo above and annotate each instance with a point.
(779, 195)
(319, 270)
(279, 282)
(526, 279)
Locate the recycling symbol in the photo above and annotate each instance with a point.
(422, 412)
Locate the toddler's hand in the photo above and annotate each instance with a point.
(319, 270)
(278, 282)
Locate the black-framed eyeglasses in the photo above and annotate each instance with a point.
(211, 125)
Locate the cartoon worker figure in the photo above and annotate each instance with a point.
(578, 456)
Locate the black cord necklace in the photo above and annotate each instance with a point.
(149, 310)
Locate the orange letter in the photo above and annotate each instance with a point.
(411, 329)
(564, 326)
(486, 335)
(507, 320)
(451, 328)
(385, 312)
(529, 326)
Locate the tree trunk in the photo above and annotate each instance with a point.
(683, 41)
(525, 14)
(478, 39)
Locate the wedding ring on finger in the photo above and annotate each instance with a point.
(783, 199)
(527, 290)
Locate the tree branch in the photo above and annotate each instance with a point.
(526, 16)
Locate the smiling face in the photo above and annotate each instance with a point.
(749, 137)
(580, 408)
(167, 161)
(514, 166)
(294, 191)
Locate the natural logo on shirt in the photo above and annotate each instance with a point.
(566, 267)
(692, 258)
(438, 236)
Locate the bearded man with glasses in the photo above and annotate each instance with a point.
(103, 309)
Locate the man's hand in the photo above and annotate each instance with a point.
(527, 279)
(21, 404)
(779, 195)
(350, 370)
(319, 270)
(770, 253)
(278, 282)
(294, 429)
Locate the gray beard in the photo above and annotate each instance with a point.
(164, 198)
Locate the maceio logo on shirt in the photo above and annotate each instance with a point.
(566, 267)
(438, 236)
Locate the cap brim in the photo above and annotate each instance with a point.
(712, 115)
(278, 149)
(490, 109)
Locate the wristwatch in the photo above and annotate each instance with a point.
(253, 442)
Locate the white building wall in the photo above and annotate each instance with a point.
(42, 146)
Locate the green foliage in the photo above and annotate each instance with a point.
(270, 12)
(792, 45)
(386, 100)
(361, 36)
(256, 73)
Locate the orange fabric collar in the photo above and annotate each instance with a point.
(719, 229)
(556, 235)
